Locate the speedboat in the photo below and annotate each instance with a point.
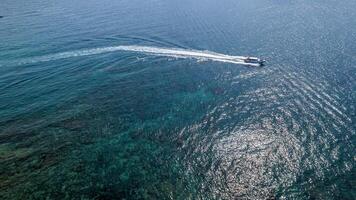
(254, 61)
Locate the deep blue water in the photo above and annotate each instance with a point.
(78, 121)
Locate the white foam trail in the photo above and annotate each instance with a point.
(158, 51)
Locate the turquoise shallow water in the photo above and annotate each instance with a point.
(79, 121)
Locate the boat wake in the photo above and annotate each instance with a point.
(156, 51)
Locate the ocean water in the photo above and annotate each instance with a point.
(136, 99)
